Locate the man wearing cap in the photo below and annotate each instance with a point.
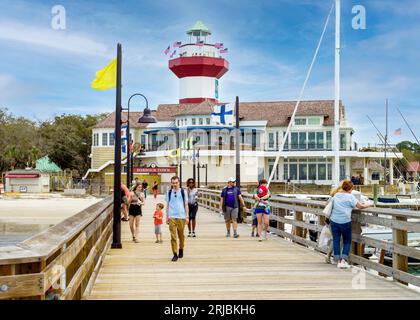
(229, 205)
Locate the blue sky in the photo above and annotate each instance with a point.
(46, 72)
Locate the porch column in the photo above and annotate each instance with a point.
(365, 172)
(391, 171)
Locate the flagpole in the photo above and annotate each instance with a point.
(337, 95)
(386, 142)
(116, 225)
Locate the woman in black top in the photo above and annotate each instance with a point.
(136, 201)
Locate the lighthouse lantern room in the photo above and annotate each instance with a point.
(199, 66)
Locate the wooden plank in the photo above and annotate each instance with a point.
(404, 277)
(81, 273)
(400, 262)
(55, 269)
(385, 222)
(18, 286)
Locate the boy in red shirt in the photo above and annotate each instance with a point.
(158, 221)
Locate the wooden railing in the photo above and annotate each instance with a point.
(65, 257)
(290, 211)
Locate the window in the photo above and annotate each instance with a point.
(342, 141)
(271, 140)
(193, 121)
(178, 123)
(294, 140)
(300, 122)
(314, 121)
(143, 139)
(342, 169)
(286, 172)
(96, 139)
(104, 139)
(303, 171)
(293, 172)
(302, 140)
(207, 120)
(112, 139)
(320, 140)
(200, 121)
(329, 166)
(329, 140)
(322, 172)
(286, 143)
(311, 140)
(312, 171)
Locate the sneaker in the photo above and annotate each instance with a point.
(175, 258)
(228, 234)
(252, 234)
(157, 241)
(181, 253)
(161, 241)
(340, 264)
(236, 235)
(193, 235)
(189, 235)
(260, 239)
(327, 260)
(345, 265)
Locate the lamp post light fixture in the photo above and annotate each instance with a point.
(145, 118)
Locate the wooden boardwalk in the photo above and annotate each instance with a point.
(215, 267)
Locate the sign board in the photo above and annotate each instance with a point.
(155, 170)
(23, 189)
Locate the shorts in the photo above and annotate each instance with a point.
(134, 210)
(262, 210)
(255, 222)
(192, 210)
(158, 229)
(231, 213)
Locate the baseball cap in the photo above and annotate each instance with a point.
(232, 179)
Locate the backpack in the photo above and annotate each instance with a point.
(182, 194)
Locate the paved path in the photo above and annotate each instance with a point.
(215, 267)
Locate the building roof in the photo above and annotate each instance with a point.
(199, 26)
(44, 164)
(277, 113)
(109, 122)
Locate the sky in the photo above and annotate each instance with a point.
(46, 72)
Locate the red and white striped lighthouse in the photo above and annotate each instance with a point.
(199, 66)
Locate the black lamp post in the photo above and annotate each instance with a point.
(145, 118)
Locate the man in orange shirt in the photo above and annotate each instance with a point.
(158, 221)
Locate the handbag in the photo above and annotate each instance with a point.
(328, 209)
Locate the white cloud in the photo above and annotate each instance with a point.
(61, 40)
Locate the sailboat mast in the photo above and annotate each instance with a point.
(386, 143)
(337, 94)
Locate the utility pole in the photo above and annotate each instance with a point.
(198, 168)
(237, 145)
(116, 224)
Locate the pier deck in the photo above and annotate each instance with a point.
(216, 267)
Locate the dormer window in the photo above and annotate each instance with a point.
(300, 121)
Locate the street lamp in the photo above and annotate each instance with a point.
(145, 118)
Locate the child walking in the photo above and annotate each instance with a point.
(158, 221)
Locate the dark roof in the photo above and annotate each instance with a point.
(109, 122)
(277, 113)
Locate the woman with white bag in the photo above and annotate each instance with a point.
(339, 211)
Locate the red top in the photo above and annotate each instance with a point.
(158, 215)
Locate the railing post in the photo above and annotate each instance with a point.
(280, 213)
(357, 248)
(400, 262)
(298, 231)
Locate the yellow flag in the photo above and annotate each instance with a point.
(174, 153)
(106, 78)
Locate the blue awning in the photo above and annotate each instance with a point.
(191, 128)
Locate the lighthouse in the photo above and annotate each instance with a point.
(199, 66)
